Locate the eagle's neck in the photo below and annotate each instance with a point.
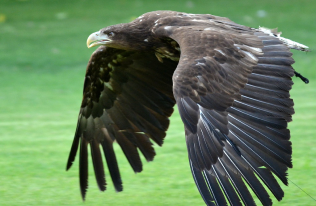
(141, 38)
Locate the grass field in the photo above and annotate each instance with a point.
(43, 56)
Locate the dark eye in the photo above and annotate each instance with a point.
(111, 34)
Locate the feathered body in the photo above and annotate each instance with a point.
(230, 82)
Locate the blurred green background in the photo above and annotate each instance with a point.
(43, 56)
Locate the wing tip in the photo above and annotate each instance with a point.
(83, 193)
(69, 164)
(118, 189)
(73, 152)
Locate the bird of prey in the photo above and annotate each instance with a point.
(231, 85)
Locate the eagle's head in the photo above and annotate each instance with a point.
(121, 36)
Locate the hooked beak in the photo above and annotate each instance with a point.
(97, 38)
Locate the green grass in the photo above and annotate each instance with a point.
(42, 64)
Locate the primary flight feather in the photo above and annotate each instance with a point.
(231, 85)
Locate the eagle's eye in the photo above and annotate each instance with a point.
(110, 34)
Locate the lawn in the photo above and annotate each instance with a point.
(43, 56)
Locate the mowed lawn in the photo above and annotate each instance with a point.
(43, 56)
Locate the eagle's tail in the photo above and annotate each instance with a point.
(288, 42)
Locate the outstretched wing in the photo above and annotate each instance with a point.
(127, 98)
(232, 90)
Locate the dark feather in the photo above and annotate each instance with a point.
(188, 111)
(83, 167)
(110, 157)
(248, 176)
(75, 144)
(98, 164)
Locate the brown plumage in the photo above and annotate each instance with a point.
(231, 85)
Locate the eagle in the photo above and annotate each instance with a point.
(231, 86)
